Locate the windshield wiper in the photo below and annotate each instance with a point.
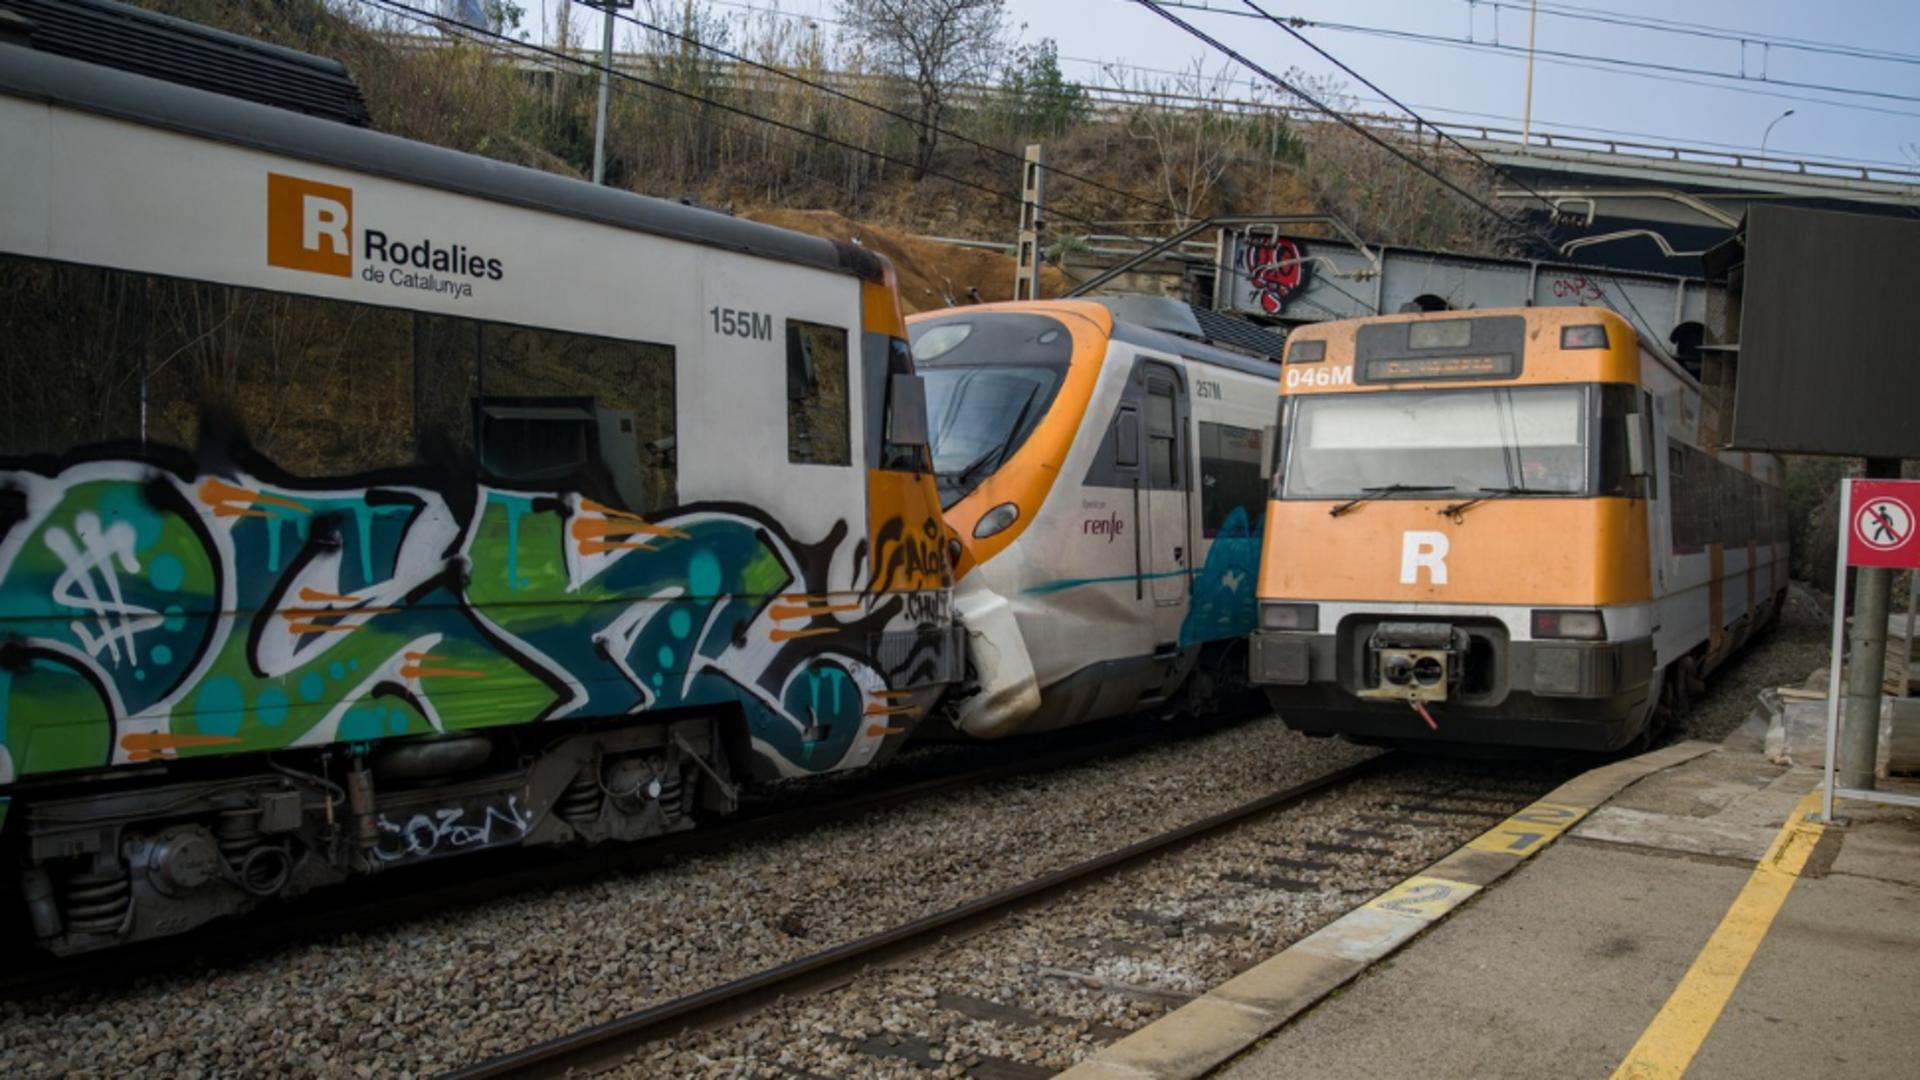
(998, 451)
(1371, 493)
(961, 477)
(1486, 494)
(1489, 493)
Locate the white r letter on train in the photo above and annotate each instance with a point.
(323, 218)
(1418, 549)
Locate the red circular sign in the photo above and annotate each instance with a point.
(1882, 529)
(1883, 523)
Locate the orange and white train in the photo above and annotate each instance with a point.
(1505, 526)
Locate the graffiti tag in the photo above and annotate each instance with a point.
(1579, 287)
(448, 830)
(1277, 269)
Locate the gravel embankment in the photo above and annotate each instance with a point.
(1047, 987)
(430, 994)
(1784, 657)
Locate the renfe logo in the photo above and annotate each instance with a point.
(1423, 549)
(1110, 527)
(309, 225)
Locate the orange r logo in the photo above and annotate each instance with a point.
(309, 225)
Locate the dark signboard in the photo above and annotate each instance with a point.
(1829, 359)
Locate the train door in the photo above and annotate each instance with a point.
(1167, 514)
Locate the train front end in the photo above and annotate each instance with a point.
(1007, 387)
(1458, 539)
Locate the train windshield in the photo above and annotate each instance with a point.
(989, 381)
(1516, 440)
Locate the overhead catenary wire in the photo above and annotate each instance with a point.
(1159, 8)
(804, 17)
(1643, 69)
(854, 99)
(511, 46)
(1703, 30)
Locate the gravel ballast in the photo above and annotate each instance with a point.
(431, 994)
(435, 993)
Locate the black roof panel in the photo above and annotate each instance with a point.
(161, 47)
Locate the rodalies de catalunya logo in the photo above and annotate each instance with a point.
(310, 228)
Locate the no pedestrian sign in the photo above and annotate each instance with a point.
(1881, 520)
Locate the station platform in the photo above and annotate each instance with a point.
(1672, 913)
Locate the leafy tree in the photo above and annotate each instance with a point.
(935, 45)
(1037, 98)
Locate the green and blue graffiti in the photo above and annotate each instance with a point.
(146, 616)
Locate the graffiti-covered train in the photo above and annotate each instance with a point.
(364, 503)
(1506, 526)
(1103, 467)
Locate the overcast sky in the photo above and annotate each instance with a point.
(1458, 83)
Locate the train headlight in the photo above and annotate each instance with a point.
(1289, 616)
(996, 520)
(1592, 336)
(1577, 625)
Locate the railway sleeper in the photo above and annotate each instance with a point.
(101, 866)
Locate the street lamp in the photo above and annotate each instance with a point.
(1769, 131)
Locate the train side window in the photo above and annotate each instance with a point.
(320, 388)
(1230, 467)
(817, 404)
(1163, 435)
(76, 356)
(1126, 438)
(563, 410)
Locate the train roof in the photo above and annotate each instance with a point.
(31, 69)
(1158, 322)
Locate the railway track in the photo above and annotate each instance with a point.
(1384, 823)
(435, 889)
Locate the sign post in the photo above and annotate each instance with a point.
(1879, 527)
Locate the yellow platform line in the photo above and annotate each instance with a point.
(1669, 1043)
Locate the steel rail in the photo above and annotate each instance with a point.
(613, 1041)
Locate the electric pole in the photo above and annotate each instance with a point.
(1026, 273)
(606, 88)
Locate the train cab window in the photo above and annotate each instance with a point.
(1163, 434)
(1230, 477)
(1532, 440)
(817, 395)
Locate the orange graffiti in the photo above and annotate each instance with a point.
(228, 500)
(619, 523)
(891, 710)
(147, 745)
(876, 731)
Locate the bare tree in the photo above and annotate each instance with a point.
(1190, 133)
(933, 44)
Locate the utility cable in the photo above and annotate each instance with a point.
(1645, 68)
(928, 126)
(456, 29)
(1157, 7)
